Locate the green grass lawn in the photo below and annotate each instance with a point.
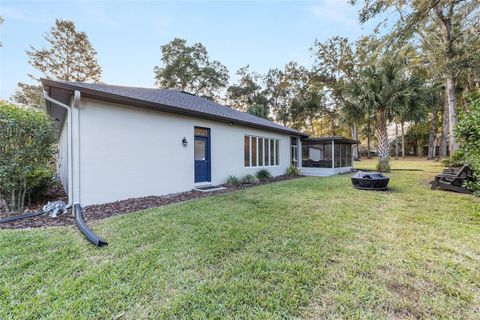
(305, 248)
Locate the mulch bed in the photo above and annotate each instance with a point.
(102, 211)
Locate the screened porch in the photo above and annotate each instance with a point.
(326, 155)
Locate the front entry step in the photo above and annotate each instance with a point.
(209, 188)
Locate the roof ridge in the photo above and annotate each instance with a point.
(103, 84)
(184, 102)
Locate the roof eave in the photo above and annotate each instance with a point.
(335, 138)
(109, 97)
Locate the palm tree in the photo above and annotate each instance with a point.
(353, 115)
(356, 110)
(384, 90)
(415, 107)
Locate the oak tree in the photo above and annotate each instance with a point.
(190, 69)
(248, 94)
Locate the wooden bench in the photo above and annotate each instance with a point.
(453, 180)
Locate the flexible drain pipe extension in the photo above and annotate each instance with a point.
(69, 145)
(77, 209)
(91, 236)
(21, 216)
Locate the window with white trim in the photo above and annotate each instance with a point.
(293, 151)
(261, 152)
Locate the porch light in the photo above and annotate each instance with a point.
(184, 141)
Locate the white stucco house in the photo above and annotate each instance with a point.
(119, 142)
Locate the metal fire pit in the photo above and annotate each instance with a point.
(370, 181)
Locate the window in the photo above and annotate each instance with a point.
(261, 152)
(201, 132)
(254, 151)
(293, 151)
(277, 154)
(267, 153)
(200, 149)
(272, 152)
(247, 152)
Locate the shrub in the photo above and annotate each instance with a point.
(39, 182)
(293, 170)
(467, 132)
(233, 181)
(249, 179)
(264, 175)
(27, 145)
(457, 159)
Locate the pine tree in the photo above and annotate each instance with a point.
(69, 55)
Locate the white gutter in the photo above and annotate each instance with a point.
(76, 147)
(70, 154)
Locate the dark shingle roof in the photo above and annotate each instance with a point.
(170, 101)
(338, 139)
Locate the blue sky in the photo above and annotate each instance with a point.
(128, 35)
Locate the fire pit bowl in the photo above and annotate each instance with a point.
(370, 181)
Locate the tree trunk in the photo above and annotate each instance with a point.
(452, 112)
(4, 208)
(432, 134)
(355, 137)
(402, 125)
(419, 148)
(446, 22)
(357, 148)
(369, 128)
(13, 201)
(382, 139)
(450, 98)
(22, 199)
(396, 141)
(442, 151)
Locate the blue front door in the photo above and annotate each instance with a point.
(202, 157)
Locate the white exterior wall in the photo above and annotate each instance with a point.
(128, 152)
(62, 156)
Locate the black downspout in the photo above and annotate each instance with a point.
(96, 240)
